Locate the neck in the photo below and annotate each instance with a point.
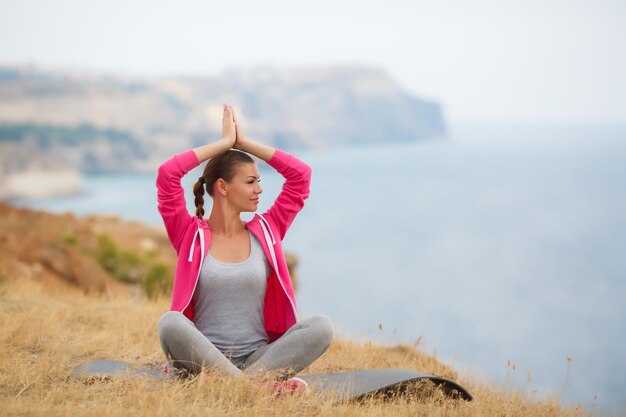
(223, 221)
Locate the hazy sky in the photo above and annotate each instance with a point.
(483, 60)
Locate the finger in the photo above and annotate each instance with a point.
(228, 115)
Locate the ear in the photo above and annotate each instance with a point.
(220, 186)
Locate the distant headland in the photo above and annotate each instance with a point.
(68, 122)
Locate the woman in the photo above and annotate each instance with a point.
(233, 307)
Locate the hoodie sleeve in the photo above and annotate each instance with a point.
(171, 195)
(295, 190)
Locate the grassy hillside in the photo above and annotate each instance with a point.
(49, 325)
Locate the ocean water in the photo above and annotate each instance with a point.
(502, 248)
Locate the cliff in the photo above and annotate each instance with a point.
(60, 305)
(104, 123)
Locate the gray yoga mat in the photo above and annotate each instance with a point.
(339, 386)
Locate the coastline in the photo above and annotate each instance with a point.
(39, 184)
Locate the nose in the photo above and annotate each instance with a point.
(258, 190)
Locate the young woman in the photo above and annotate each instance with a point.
(233, 308)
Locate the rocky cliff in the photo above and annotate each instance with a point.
(62, 120)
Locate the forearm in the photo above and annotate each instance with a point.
(261, 151)
(211, 150)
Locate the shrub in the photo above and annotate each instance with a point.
(158, 280)
(125, 266)
(70, 239)
(135, 267)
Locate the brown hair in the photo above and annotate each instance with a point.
(222, 166)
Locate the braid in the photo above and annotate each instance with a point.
(198, 192)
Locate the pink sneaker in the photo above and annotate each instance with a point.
(293, 385)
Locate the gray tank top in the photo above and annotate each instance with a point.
(229, 300)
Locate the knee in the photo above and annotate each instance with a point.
(169, 322)
(324, 329)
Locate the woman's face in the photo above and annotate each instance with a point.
(244, 189)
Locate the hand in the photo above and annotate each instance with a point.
(229, 136)
(229, 133)
(241, 139)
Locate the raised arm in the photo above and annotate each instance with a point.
(170, 193)
(297, 174)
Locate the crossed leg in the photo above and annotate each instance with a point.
(188, 350)
(299, 347)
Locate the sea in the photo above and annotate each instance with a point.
(501, 249)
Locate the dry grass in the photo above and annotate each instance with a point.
(46, 330)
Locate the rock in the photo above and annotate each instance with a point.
(73, 266)
(292, 264)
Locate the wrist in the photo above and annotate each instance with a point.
(226, 143)
(243, 145)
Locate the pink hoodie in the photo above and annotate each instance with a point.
(191, 237)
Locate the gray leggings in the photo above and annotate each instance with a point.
(188, 350)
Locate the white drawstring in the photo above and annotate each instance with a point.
(193, 244)
(270, 229)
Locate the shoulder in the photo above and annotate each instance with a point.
(262, 225)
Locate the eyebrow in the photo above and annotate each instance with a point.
(253, 176)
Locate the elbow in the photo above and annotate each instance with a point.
(161, 178)
(305, 189)
(307, 172)
(162, 170)
(166, 172)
